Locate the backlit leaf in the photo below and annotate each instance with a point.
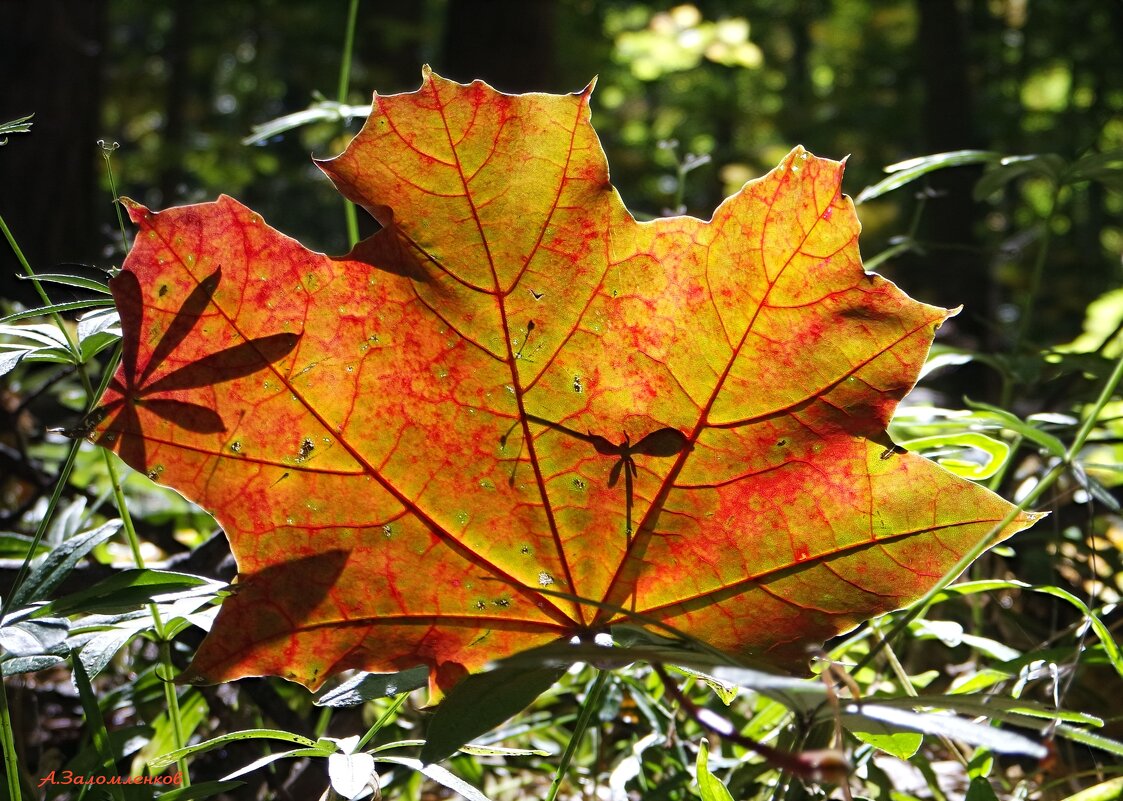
(513, 387)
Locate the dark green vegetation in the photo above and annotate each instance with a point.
(1021, 225)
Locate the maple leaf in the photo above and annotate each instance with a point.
(516, 387)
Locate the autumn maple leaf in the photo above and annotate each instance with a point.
(516, 387)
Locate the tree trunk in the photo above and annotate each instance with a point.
(50, 57)
(508, 43)
(950, 216)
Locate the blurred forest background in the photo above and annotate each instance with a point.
(180, 85)
(194, 99)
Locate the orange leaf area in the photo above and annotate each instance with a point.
(516, 387)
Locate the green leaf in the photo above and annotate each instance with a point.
(9, 359)
(34, 637)
(1046, 165)
(952, 634)
(1090, 738)
(901, 744)
(321, 111)
(1110, 646)
(51, 356)
(56, 308)
(440, 775)
(57, 564)
(981, 764)
(980, 790)
(16, 126)
(40, 333)
(481, 702)
(857, 716)
(1110, 790)
(905, 172)
(799, 694)
(16, 546)
(1012, 422)
(127, 590)
(69, 280)
(726, 692)
(98, 650)
(946, 450)
(1020, 711)
(370, 686)
(314, 752)
(246, 734)
(1097, 166)
(498, 750)
(708, 785)
(93, 345)
(29, 664)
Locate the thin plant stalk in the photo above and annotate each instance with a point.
(8, 744)
(383, 719)
(906, 684)
(171, 698)
(349, 213)
(591, 705)
(107, 149)
(1031, 497)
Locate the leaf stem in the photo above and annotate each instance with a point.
(383, 719)
(348, 47)
(106, 150)
(349, 213)
(906, 684)
(171, 698)
(8, 743)
(591, 705)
